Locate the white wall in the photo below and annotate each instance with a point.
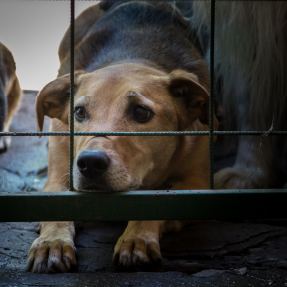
(32, 30)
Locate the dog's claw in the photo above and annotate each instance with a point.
(67, 262)
(116, 257)
(135, 259)
(125, 260)
(136, 251)
(41, 267)
(30, 263)
(51, 256)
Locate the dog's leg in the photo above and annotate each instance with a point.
(13, 100)
(253, 168)
(139, 244)
(54, 250)
(255, 159)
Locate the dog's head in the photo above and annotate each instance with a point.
(125, 98)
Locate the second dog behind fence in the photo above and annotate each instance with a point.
(250, 75)
(10, 94)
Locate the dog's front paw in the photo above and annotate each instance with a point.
(51, 255)
(235, 178)
(5, 142)
(137, 250)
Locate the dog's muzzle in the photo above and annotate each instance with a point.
(93, 163)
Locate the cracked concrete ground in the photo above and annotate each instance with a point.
(207, 253)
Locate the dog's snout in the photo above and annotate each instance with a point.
(93, 162)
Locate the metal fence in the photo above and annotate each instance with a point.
(143, 205)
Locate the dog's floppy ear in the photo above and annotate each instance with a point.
(52, 100)
(193, 97)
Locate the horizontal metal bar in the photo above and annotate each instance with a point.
(143, 205)
(202, 133)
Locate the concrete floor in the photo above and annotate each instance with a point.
(207, 253)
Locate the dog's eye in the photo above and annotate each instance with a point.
(80, 113)
(142, 114)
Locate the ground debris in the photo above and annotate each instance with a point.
(208, 273)
(237, 271)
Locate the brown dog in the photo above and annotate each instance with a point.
(136, 70)
(10, 93)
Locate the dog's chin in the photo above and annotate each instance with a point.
(83, 184)
(92, 187)
(95, 188)
(101, 188)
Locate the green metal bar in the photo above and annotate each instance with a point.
(240, 133)
(211, 103)
(143, 205)
(72, 35)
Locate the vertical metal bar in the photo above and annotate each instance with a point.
(72, 35)
(211, 105)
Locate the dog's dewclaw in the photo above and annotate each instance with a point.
(136, 251)
(51, 256)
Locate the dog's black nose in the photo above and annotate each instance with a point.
(93, 162)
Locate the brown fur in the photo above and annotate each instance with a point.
(179, 100)
(12, 92)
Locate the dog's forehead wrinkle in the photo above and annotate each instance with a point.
(133, 94)
(137, 96)
(81, 100)
(141, 97)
